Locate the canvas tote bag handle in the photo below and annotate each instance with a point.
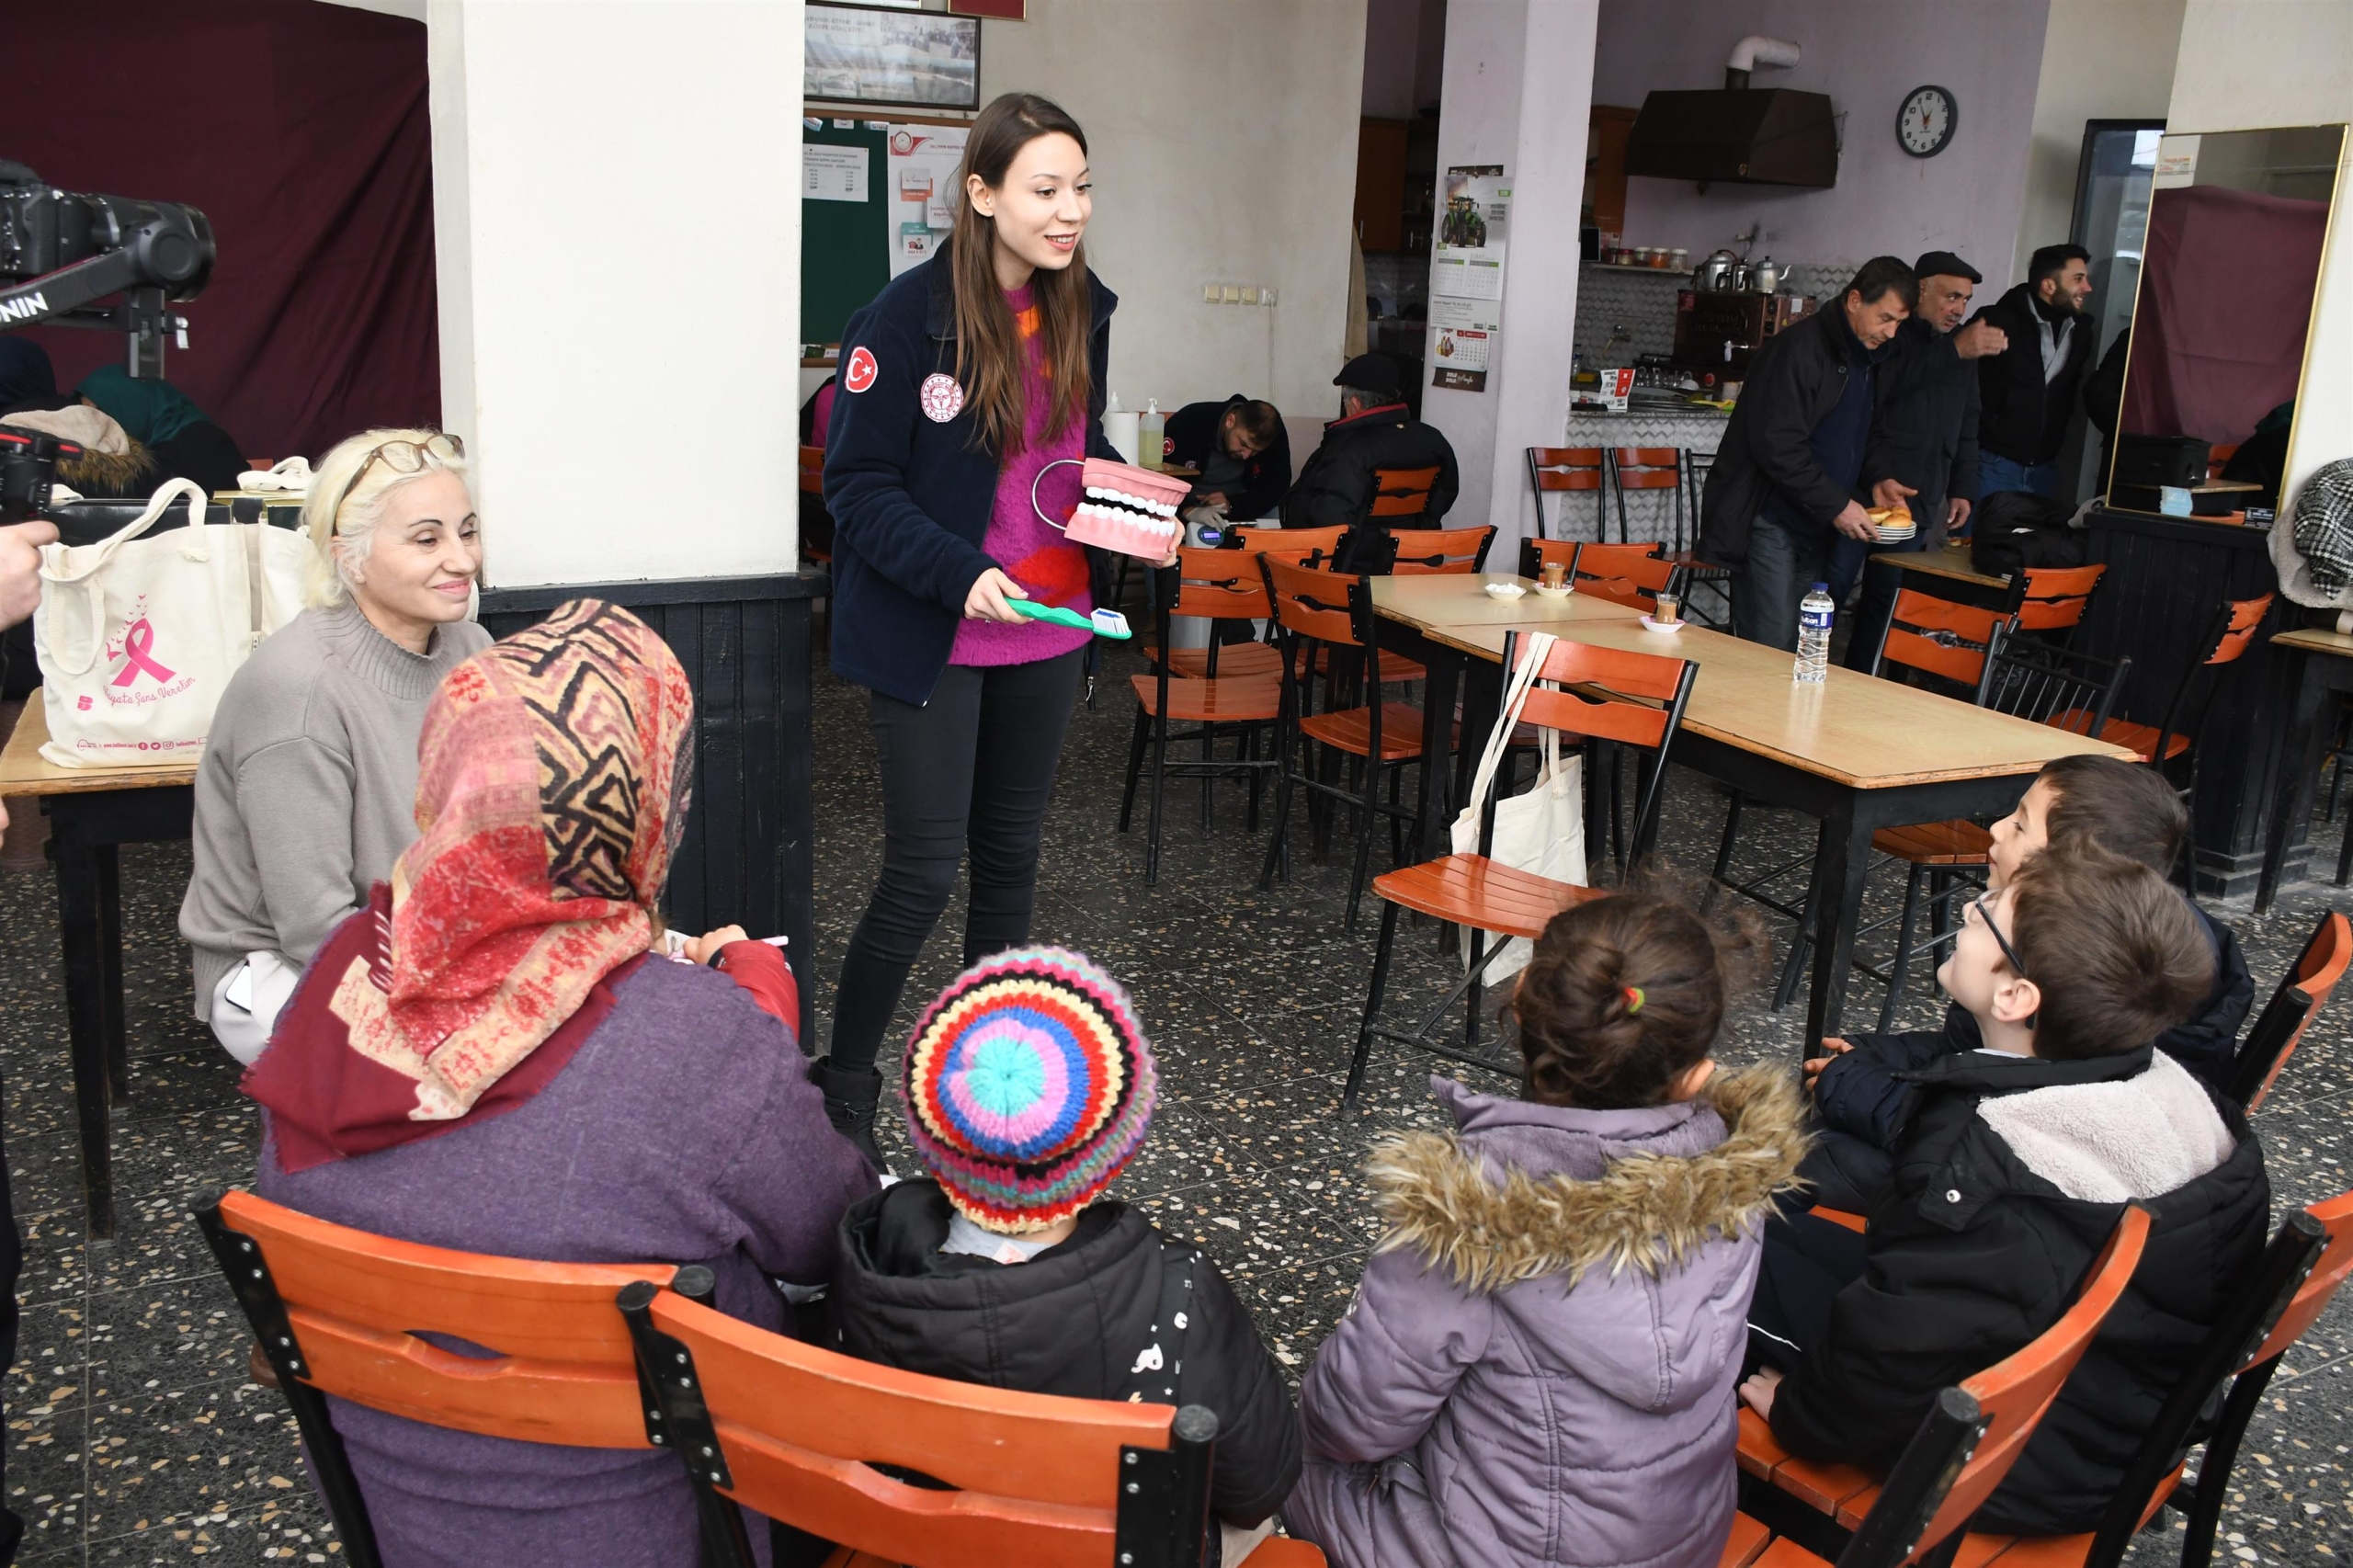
(93, 596)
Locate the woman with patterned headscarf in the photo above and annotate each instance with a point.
(494, 1056)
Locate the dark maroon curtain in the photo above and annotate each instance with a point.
(300, 129)
(2218, 333)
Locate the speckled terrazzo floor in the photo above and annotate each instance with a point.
(134, 1436)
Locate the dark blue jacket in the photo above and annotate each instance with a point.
(1865, 1093)
(911, 497)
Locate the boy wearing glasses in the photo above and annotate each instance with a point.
(2016, 1163)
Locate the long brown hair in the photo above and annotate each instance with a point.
(989, 359)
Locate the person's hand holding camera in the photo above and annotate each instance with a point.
(20, 568)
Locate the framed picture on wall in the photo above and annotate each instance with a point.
(871, 54)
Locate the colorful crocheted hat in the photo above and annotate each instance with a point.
(1029, 1084)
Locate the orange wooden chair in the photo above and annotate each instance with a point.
(2256, 1065)
(1635, 700)
(1334, 610)
(1555, 470)
(1966, 1445)
(1422, 552)
(338, 1311)
(1635, 580)
(1401, 492)
(1301, 547)
(2055, 598)
(802, 1435)
(1647, 468)
(812, 483)
(1212, 585)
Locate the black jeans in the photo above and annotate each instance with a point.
(1807, 1262)
(973, 769)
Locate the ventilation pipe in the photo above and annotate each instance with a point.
(1754, 50)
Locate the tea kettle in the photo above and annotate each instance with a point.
(1766, 277)
(1714, 276)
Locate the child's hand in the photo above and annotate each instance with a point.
(700, 949)
(1831, 1046)
(1758, 1391)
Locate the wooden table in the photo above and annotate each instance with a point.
(2323, 663)
(1857, 753)
(92, 812)
(1952, 564)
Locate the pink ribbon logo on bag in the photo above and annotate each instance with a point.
(137, 638)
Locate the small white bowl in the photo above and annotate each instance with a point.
(1663, 625)
(1563, 591)
(1505, 590)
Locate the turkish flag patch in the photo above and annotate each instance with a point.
(859, 373)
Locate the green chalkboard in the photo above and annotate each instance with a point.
(844, 246)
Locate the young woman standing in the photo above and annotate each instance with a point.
(962, 386)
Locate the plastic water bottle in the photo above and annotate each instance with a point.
(1815, 615)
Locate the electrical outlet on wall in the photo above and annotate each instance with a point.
(1208, 293)
(1265, 296)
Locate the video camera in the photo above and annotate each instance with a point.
(62, 252)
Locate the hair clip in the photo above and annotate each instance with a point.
(1633, 1000)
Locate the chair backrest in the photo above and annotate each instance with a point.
(2255, 1067)
(1632, 575)
(1647, 468)
(813, 471)
(798, 1433)
(2048, 685)
(1215, 583)
(2056, 596)
(1601, 560)
(1422, 552)
(1320, 605)
(1402, 492)
(1635, 700)
(1301, 540)
(338, 1310)
(2240, 619)
(1939, 637)
(1565, 468)
(1973, 1434)
(2319, 1287)
(2228, 638)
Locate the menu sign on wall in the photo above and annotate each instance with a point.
(1467, 276)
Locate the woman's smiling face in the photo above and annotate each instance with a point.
(1041, 209)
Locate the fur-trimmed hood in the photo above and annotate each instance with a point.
(1639, 1189)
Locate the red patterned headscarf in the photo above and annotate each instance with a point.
(553, 784)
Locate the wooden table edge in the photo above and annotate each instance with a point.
(23, 771)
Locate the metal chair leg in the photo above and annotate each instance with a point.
(1367, 808)
(1800, 944)
(1724, 851)
(1902, 961)
(1135, 765)
(1159, 789)
(1371, 1007)
(1287, 747)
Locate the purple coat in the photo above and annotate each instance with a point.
(683, 1131)
(1539, 1364)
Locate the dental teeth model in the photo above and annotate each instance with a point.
(1132, 510)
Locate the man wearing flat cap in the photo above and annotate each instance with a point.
(1375, 431)
(1923, 450)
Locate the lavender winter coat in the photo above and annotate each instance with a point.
(1539, 1366)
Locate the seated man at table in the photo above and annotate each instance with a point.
(1375, 431)
(1243, 453)
(1864, 1091)
(2017, 1165)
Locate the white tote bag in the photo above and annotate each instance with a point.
(138, 637)
(1541, 831)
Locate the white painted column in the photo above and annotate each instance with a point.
(617, 214)
(1518, 91)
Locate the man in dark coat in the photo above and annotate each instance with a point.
(1784, 483)
(1375, 431)
(2014, 1169)
(2027, 392)
(1923, 451)
(1241, 451)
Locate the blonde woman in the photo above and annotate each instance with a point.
(305, 795)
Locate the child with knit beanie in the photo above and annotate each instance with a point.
(1030, 1085)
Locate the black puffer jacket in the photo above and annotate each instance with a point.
(1082, 1319)
(1793, 383)
(2022, 417)
(1971, 1254)
(1335, 487)
(1192, 437)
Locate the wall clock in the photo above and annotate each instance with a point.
(1923, 126)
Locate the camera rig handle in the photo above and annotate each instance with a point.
(67, 297)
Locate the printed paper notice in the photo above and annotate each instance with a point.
(1468, 261)
(2177, 162)
(1480, 315)
(1460, 359)
(922, 161)
(832, 174)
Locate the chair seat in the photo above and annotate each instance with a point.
(1699, 568)
(1471, 889)
(1282, 1552)
(1225, 700)
(1828, 1488)
(1396, 670)
(1351, 730)
(1748, 1538)
(1783, 1552)
(1233, 659)
(2140, 739)
(1936, 843)
(1854, 1222)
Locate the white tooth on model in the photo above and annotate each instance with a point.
(1094, 493)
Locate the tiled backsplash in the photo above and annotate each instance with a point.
(1638, 308)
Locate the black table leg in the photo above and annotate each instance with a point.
(1434, 815)
(82, 928)
(2294, 806)
(109, 867)
(1841, 863)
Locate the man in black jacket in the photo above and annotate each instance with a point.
(2014, 1171)
(1374, 431)
(1243, 453)
(2027, 391)
(1783, 486)
(1923, 450)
